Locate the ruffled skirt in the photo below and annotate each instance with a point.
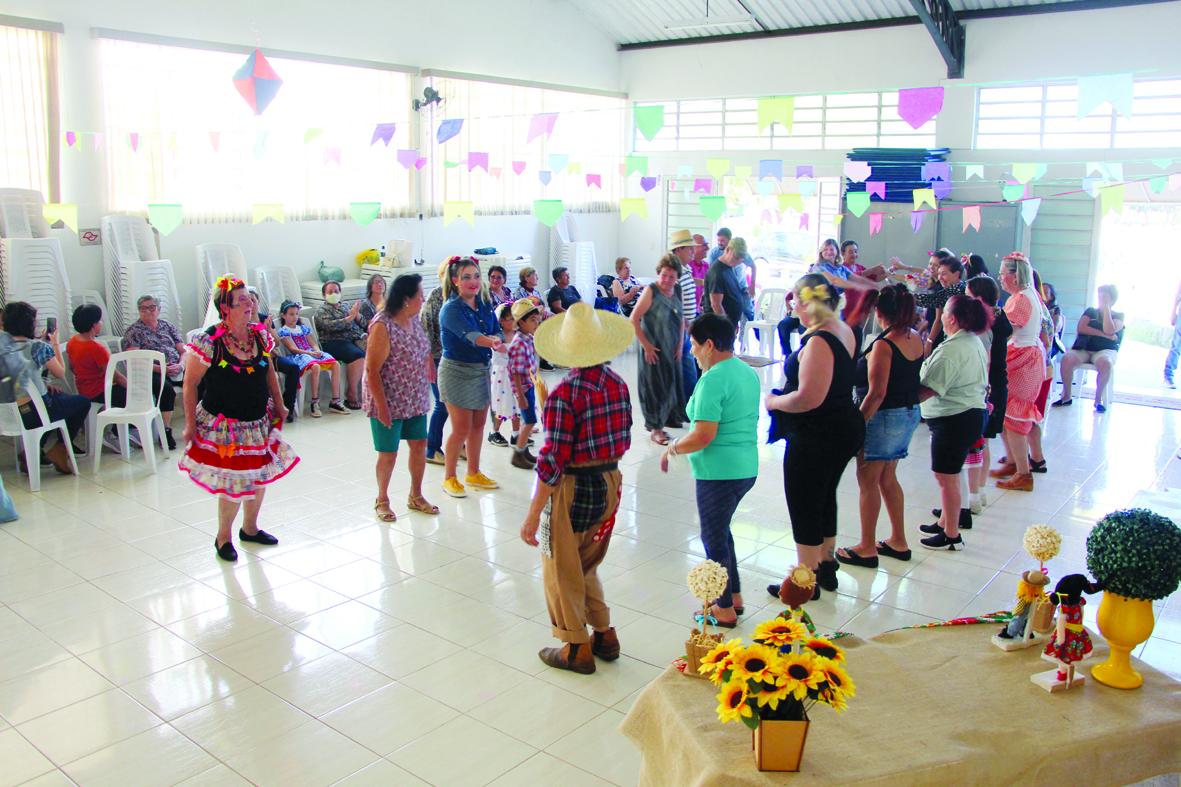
(1027, 372)
(236, 458)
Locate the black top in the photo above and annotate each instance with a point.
(231, 389)
(1096, 343)
(902, 386)
(567, 295)
(838, 402)
(998, 372)
(721, 279)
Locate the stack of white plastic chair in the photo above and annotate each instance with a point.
(32, 266)
(566, 251)
(81, 298)
(213, 261)
(275, 285)
(155, 278)
(127, 241)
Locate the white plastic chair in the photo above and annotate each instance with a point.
(213, 261)
(126, 240)
(307, 317)
(770, 309)
(275, 285)
(142, 407)
(1103, 396)
(12, 426)
(22, 215)
(91, 417)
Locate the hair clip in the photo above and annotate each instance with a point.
(228, 282)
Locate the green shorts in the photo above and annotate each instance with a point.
(386, 438)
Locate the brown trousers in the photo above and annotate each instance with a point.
(573, 592)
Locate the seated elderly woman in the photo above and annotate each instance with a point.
(150, 332)
(1100, 333)
(343, 339)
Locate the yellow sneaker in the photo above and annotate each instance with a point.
(452, 487)
(480, 481)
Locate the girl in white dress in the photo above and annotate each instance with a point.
(504, 403)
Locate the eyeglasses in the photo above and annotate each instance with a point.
(149, 308)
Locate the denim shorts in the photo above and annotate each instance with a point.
(888, 433)
(529, 414)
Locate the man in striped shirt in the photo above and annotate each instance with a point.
(683, 246)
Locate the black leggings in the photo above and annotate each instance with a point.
(815, 460)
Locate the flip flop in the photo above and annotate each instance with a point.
(851, 558)
(659, 437)
(889, 551)
(724, 624)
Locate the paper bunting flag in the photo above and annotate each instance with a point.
(311, 134)
(923, 197)
(916, 220)
(97, 141)
(133, 140)
(1111, 199)
(574, 168)
(633, 206)
(263, 211)
(793, 201)
(971, 218)
(711, 207)
(717, 167)
(1091, 186)
(877, 187)
(837, 219)
(703, 186)
(743, 172)
(594, 180)
(495, 171)
(1175, 182)
(71, 139)
(1114, 170)
(804, 171)
(766, 217)
(1158, 184)
(936, 170)
(1114, 89)
(857, 171)
(215, 140)
(364, 212)
(804, 221)
(545, 176)
(647, 184)
(776, 110)
(260, 144)
(917, 105)
(649, 120)
(1029, 210)
(448, 129)
(257, 82)
(1094, 168)
(164, 217)
(459, 210)
(875, 223)
(332, 155)
(558, 162)
(771, 168)
(636, 164)
(407, 158)
(518, 167)
(807, 187)
(477, 160)
(974, 171)
(1162, 163)
(1023, 173)
(384, 132)
(66, 213)
(857, 202)
(766, 187)
(451, 164)
(942, 188)
(541, 125)
(684, 171)
(1011, 192)
(548, 211)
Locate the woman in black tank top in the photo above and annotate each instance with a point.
(888, 393)
(815, 412)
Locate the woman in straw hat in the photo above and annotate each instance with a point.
(588, 422)
(660, 326)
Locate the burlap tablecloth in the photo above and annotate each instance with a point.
(933, 706)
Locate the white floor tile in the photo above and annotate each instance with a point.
(159, 756)
(462, 752)
(21, 759)
(389, 718)
(326, 684)
(87, 726)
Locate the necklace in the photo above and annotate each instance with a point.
(237, 346)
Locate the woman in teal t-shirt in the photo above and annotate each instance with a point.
(722, 447)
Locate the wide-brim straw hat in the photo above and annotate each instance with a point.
(681, 238)
(524, 307)
(1035, 578)
(583, 336)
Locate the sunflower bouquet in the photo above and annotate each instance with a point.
(779, 676)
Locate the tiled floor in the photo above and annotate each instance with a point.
(362, 653)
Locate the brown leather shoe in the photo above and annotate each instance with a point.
(1022, 482)
(606, 645)
(60, 458)
(1004, 471)
(576, 658)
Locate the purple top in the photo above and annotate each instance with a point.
(403, 375)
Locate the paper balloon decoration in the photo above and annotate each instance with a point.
(257, 82)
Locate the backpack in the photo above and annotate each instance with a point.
(13, 369)
(604, 296)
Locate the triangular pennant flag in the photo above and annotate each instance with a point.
(684, 171)
(1114, 89)
(936, 170)
(1175, 182)
(1091, 186)
(495, 172)
(771, 168)
(311, 134)
(1023, 173)
(448, 129)
(458, 210)
(804, 171)
(779, 110)
(215, 140)
(647, 184)
(711, 207)
(1162, 163)
(766, 187)
(407, 157)
(545, 176)
(857, 202)
(477, 160)
(541, 125)
(649, 120)
(1114, 170)
(332, 155)
(942, 188)
(164, 217)
(804, 221)
(923, 197)
(1029, 210)
(574, 168)
(791, 201)
(717, 167)
(877, 187)
(1094, 168)
(1158, 184)
(767, 217)
(974, 171)
(420, 163)
(594, 180)
(703, 186)
(548, 211)
(837, 219)
(633, 206)
(807, 187)
(1011, 192)
(447, 164)
(270, 210)
(971, 218)
(558, 162)
(1111, 199)
(364, 212)
(133, 140)
(257, 82)
(66, 213)
(916, 220)
(636, 164)
(384, 132)
(743, 172)
(518, 167)
(71, 139)
(917, 105)
(857, 171)
(875, 223)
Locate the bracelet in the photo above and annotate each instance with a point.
(672, 447)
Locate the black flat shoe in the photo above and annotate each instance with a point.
(942, 541)
(739, 610)
(932, 528)
(1062, 403)
(261, 537)
(226, 551)
(773, 590)
(826, 575)
(885, 550)
(851, 558)
(1037, 467)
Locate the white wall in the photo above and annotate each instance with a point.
(520, 39)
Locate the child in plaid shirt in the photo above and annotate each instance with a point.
(522, 366)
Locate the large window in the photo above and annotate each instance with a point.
(29, 132)
(1037, 117)
(588, 132)
(820, 122)
(201, 145)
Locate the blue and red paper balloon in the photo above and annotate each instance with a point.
(257, 82)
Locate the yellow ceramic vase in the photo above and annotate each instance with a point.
(1125, 623)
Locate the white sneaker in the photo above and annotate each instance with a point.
(976, 506)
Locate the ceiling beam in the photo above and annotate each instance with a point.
(762, 25)
(1051, 8)
(941, 22)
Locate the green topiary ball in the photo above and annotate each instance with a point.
(1135, 553)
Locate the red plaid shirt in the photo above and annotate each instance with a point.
(588, 418)
(522, 358)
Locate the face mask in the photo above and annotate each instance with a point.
(332, 298)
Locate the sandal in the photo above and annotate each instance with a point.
(851, 558)
(660, 437)
(420, 504)
(889, 551)
(382, 509)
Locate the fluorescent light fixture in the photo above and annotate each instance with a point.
(710, 21)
